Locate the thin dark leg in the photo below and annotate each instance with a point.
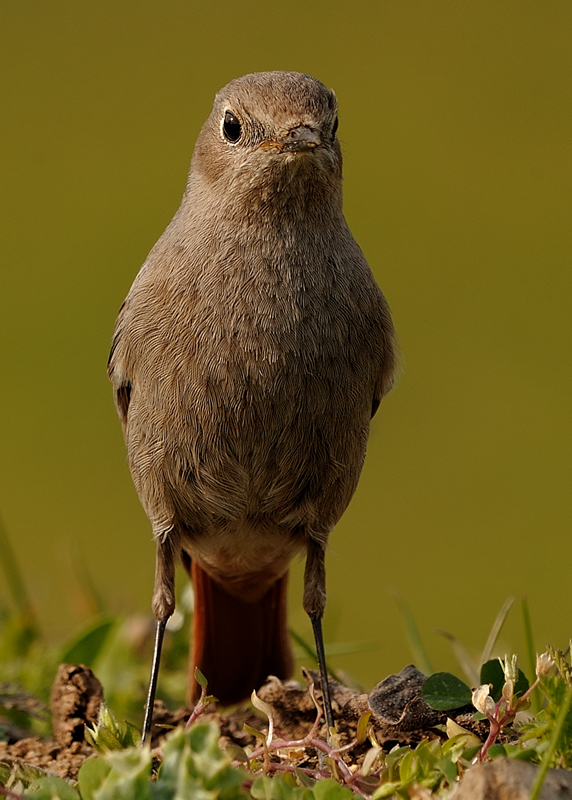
(319, 639)
(159, 633)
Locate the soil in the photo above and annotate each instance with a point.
(75, 699)
(398, 716)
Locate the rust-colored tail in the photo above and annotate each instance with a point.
(236, 645)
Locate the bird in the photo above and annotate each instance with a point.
(247, 361)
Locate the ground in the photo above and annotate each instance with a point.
(398, 716)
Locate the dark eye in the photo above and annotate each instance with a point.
(335, 128)
(231, 127)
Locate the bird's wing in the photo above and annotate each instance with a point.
(116, 372)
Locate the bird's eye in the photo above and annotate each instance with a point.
(335, 128)
(231, 128)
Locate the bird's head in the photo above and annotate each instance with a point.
(271, 133)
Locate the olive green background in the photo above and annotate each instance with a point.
(455, 124)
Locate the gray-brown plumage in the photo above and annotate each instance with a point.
(247, 361)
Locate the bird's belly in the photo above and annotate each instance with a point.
(271, 454)
(247, 571)
(260, 437)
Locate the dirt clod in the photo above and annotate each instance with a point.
(75, 700)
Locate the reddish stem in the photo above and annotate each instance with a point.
(198, 709)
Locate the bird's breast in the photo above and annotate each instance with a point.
(252, 387)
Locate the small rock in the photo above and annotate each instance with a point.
(397, 701)
(507, 779)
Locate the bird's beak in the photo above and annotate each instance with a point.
(301, 138)
(297, 140)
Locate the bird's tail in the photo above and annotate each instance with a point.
(236, 645)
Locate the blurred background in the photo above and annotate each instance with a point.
(455, 122)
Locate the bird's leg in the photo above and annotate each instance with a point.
(314, 604)
(163, 607)
(147, 722)
(319, 639)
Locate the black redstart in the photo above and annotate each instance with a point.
(248, 359)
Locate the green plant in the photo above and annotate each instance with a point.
(192, 765)
(108, 734)
(430, 765)
(549, 733)
(190, 762)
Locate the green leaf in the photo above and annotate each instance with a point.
(392, 759)
(27, 773)
(253, 732)
(530, 754)
(304, 779)
(236, 753)
(329, 789)
(263, 788)
(91, 775)
(443, 691)
(132, 735)
(200, 678)
(128, 776)
(5, 771)
(449, 769)
(281, 787)
(471, 752)
(51, 789)
(492, 672)
(195, 766)
(106, 740)
(429, 753)
(407, 767)
(497, 751)
(86, 647)
(386, 790)
(363, 722)
(109, 734)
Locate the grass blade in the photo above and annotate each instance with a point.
(496, 629)
(462, 656)
(543, 769)
(418, 651)
(530, 653)
(90, 594)
(349, 648)
(311, 653)
(13, 575)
